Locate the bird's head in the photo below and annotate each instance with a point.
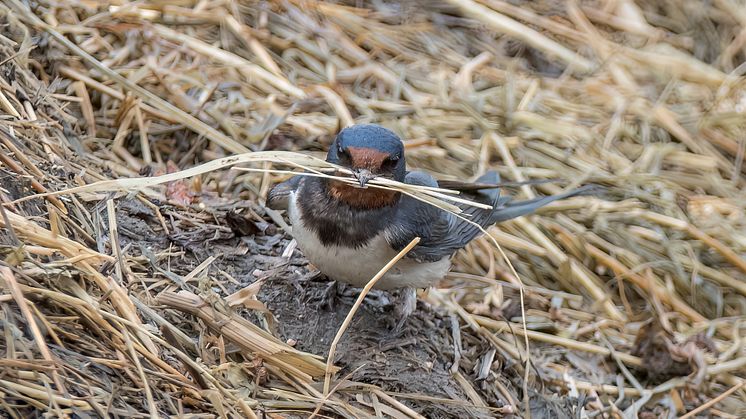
(369, 151)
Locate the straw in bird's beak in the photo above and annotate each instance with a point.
(363, 176)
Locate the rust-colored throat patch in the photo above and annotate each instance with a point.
(363, 198)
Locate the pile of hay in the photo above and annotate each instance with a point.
(186, 299)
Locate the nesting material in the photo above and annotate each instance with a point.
(141, 275)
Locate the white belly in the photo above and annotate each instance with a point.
(358, 266)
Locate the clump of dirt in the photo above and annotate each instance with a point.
(13, 187)
(664, 358)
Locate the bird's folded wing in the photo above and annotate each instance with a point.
(441, 233)
(278, 196)
(460, 186)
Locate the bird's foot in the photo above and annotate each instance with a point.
(332, 294)
(405, 302)
(329, 298)
(379, 299)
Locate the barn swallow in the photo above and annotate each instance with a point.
(350, 232)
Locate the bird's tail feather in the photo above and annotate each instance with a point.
(491, 195)
(517, 209)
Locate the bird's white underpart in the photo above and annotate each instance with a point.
(356, 266)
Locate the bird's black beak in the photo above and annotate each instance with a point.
(363, 176)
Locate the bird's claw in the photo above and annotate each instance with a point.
(404, 305)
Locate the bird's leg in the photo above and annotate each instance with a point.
(332, 293)
(405, 305)
(378, 298)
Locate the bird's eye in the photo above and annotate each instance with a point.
(343, 155)
(390, 162)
